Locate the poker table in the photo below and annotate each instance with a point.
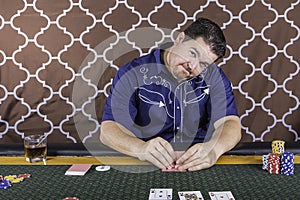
(129, 178)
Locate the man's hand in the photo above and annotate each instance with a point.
(159, 152)
(204, 155)
(196, 158)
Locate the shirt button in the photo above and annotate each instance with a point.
(178, 107)
(177, 127)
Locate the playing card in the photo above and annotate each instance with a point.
(160, 194)
(173, 169)
(78, 169)
(223, 195)
(190, 195)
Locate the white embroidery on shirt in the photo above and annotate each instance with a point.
(158, 80)
(160, 100)
(155, 95)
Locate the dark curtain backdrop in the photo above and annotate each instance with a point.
(57, 59)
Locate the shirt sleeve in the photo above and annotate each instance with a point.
(221, 95)
(120, 105)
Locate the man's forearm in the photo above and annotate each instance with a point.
(228, 134)
(157, 151)
(117, 137)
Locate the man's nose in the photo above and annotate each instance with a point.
(189, 66)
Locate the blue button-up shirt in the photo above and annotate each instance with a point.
(146, 99)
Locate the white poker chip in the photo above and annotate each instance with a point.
(103, 168)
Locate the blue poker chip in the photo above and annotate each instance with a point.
(3, 187)
(4, 184)
(4, 181)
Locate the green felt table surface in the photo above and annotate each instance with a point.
(134, 182)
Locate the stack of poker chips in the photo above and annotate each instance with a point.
(287, 163)
(273, 163)
(279, 161)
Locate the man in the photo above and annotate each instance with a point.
(174, 95)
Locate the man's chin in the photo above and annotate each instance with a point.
(179, 78)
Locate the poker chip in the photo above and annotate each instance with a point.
(3, 187)
(13, 179)
(6, 181)
(17, 180)
(4, 184)
(70, 198)
(10, 177)
(102, 168)
(24, 176)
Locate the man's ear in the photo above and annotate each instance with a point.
(179, 38)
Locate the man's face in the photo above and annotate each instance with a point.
(189, 58)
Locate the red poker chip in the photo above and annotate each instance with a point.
(24, 176)
(70, 198)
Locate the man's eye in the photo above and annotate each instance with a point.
(193, 54)
(203, 65)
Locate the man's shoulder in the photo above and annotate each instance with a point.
(143, 59)
(214, 73)
(138, 65)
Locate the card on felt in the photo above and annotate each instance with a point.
(187, 195)
(78, 169)
(173, 169)
(221, 195)
(160, 194)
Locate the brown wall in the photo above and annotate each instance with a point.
(57, 59)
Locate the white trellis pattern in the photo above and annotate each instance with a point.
(57, 60)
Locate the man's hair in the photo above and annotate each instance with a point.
(211, 34)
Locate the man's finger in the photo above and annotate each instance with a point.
(156, 161)
(162, 156)
(169, 149)
(189, 163)
(199, 167)
(186, 156)
(195, 164)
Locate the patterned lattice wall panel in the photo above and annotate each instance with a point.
(57, 59)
